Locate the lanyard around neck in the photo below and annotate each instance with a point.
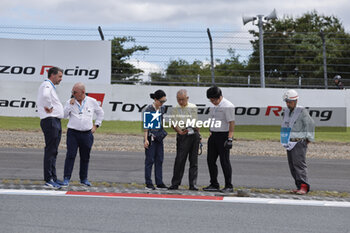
(81, 107)
(48, 80)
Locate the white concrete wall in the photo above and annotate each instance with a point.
(125, 102)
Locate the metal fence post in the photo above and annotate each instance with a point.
(101, 33)
(211, 57)
(324, 60)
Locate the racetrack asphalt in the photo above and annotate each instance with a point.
(128, 167)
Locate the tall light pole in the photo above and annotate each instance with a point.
(260, 18)
(261, 52)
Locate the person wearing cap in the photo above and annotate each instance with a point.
(220, 139)
(50, 112)
(338, 83)
(187, 141)
(153, 142)
(80, 110)
(297, 131)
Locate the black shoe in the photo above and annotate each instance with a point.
(162, 186)
(193, 188)
(150, 187)
(211, 188)
(227, 190)
(173, 187)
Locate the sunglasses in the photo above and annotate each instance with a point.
(162, 101)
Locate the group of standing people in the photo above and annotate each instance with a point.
(296, 132)
(79, 109)
(188, 139)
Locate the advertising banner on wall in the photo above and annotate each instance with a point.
(253, 106)
(29, 60)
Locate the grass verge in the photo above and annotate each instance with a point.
(248, 132)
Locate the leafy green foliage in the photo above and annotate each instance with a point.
(231, 67)
(121, 69)
(293, 47)
(250, 132)
(184, 73)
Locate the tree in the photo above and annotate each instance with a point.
(231, 67)
(182, 72)
(294, 47)
(121, 69)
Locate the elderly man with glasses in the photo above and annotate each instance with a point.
(187, 141)
(80, 111)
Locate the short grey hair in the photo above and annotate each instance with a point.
(80, 86)
(182, 92)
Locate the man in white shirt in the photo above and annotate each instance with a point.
(50, 112)
(220, 139)
(80, 111)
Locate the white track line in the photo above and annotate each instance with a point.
(286, 202)
(33, 192)
(240, 200)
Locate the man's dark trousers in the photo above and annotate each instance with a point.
(215, 149)
(82, 140)
(51, 127)
(186, 145)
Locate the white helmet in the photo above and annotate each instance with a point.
(291, 94)
(337, 77)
